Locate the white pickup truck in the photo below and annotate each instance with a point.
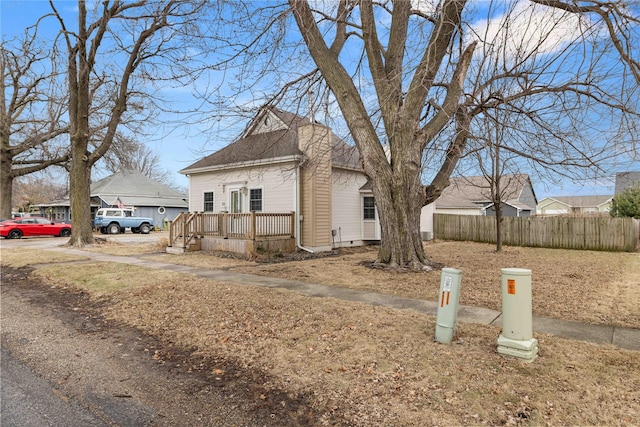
(116, 220)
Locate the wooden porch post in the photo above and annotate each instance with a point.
(184, 231)
(225, 219)
(252, 227)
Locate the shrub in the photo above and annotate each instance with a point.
(627, 203)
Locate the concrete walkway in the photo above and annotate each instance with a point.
(625, 338)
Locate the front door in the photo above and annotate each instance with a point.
(235, 225)
(236, 201)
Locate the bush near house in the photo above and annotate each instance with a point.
(626, 204)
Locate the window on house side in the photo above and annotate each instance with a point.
(369, 208)
(208, 201)
(255, 200)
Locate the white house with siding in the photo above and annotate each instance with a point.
(286, 163)
(575, 205)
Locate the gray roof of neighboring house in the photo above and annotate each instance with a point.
(475, 192)
(582, 201)
(626, 180)
(136, 189)
(276, 144)
(133, 188)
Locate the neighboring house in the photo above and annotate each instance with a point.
(285, 163)
(574, 205)
(472, 196)
(150, 198)
(626, 180)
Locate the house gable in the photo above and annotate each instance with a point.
(473, 194)
(271, 120)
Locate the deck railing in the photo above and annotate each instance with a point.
(189, 226)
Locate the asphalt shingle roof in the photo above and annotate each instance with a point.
(136, 189)
(583, 201)
(475, 191)
(279, 143)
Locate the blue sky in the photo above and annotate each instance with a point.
(179, 147)
(175, 146)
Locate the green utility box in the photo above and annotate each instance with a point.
(448, 305)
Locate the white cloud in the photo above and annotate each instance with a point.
(523, 28)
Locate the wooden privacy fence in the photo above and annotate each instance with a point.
(586, 233)
(246, 226)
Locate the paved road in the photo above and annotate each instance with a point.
(29, 400)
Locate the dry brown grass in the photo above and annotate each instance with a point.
(23, 257)
(114, 247)
(369, 366)
(586, 286)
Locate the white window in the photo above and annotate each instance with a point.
(369, 208)
(255, 200)
(208, 201)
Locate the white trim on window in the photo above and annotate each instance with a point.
(208, 205)
(253, 202)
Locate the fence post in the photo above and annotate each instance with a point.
(172, 228)
(252, 226)
(223, 231)
(184, 231)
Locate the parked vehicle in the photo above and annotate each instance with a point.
(116, 220)
(33, 226)
(18, 215)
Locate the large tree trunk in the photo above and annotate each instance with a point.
(80, 197)
(6, 177)
(399, 210)
(6, 185)
(79, 72)
(6, 190)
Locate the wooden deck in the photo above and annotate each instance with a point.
(245, 233)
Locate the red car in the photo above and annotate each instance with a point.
(33, 226)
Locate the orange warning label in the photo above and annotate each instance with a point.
(511, 286)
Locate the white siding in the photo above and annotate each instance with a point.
(426, 219)
(277, 183)
(460, 211)
(347, 207)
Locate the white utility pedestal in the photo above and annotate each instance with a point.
(448, 305)
(517, 318)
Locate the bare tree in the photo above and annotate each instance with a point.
(127, 46)
(497, 167)
(127, 153)
(37, 188)
(432, 80)
(32, 109)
